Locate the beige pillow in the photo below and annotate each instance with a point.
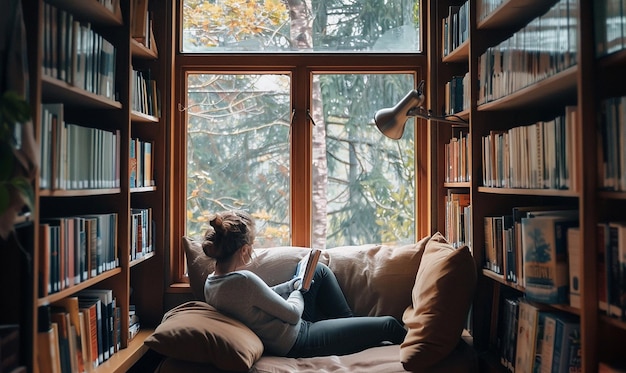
(443, 291)
(196, 332)
(274, 265)
(377, 279)
(199, 266)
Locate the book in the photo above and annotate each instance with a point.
(306, 268)
(47, 343)
(617, 239)
(47, 352)
(91, 309)
(574, 261)
(529, 334)
(602, 234)
(544, 247)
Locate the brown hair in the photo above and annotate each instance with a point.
(229, 231)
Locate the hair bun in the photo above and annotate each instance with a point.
(217, 223)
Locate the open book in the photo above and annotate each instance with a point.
(306, 268)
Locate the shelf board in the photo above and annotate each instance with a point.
(459, 54)
(77, 192)
(55, 90)
(143, 189)
(617, 59)
(136, 116)
(613, 322)
(500, 278)
(125, 358)
(139, 50)
(142, 259)
(463, 184)
(90, 10)
(75, 288)
(530, 192)
(605, 194)
(511, 14)
(541, 93)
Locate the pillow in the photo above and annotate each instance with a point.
(196, 332)
(441, 297)
(274, 265)
(377, 279)
(199, 266)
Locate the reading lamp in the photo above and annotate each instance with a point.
(391, 121)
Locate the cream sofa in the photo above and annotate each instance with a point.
(428, 285)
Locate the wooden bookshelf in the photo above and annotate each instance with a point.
(584, 84)
(131, 280)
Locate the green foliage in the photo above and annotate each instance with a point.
(14, 110)
(334, 25)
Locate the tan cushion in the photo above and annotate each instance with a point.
(443, 291)
(196, 332)
(274, 265)
(199, 266)
(377, 279)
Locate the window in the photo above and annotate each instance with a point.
(289, 136)
(301, 26)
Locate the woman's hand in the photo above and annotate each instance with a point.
(288, 287)
(296, 283)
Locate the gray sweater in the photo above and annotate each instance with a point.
(246, 297)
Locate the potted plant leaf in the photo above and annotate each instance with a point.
(16, 171)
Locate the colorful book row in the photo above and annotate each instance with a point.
(74, 53)
(74, 156)
(141, 239)
(543, 48)
(74, 249)
(457, 158)
(537, 156)
(525, 241)
(610, 26)
(532, 339)
(612, 144)
(141, 166)
(455, 27)
(457, 95)
(458, 219)
(79, 333)
(146, 98)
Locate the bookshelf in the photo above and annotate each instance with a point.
(87, 73)
(581, 76)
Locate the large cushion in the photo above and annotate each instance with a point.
(376, 279)
(441, 297)
(199, 266)
(274, 265)
(196, 332)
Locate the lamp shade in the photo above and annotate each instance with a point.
(391, 121)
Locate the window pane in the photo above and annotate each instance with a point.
(238, 151)
(297, 26)
(364, 182)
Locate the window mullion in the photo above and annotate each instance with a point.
(301, 159)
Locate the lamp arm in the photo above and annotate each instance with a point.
(420, 112)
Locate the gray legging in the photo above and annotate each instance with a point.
(328, 326)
